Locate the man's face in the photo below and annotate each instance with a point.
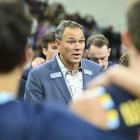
(71, 46)
(51, 51)
(99, 55)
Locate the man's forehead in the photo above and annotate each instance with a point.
(98, 52)
(104, 47)
(73, 33)
(99, 57)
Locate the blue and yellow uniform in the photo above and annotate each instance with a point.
(123, 112)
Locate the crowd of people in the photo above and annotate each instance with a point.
(46, 17)
(63, 95)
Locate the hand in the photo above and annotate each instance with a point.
(97, 107)
(90, 108)
(37, 61)
(112, 76)
(120, 76)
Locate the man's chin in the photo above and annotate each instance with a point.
(75, 61)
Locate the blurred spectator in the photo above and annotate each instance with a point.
(113, 107)
(49, 50)
(124, 59)
(50, 15)
(99, 51)
(114, 41)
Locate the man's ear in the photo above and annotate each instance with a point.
(126, 40)
(44, 51)
(109, 51)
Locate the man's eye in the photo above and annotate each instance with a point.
(82, 41)
(71, 42)
(93, 59)
(54, 48)
(103, 58)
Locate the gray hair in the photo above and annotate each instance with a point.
(63, 25)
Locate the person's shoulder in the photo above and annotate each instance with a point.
(41, 68)
(16, 120)
(46, 66)
(62, 124)
(89, 63)
(119, 94)
(26, 72)
(17, 110)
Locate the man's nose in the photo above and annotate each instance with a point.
(77, 46)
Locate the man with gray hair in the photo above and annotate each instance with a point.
(18, 120)
(63, 78)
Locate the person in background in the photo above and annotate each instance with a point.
(112, 107)
(119, 75)
(98, 50)
(49, 50)
(124, 59)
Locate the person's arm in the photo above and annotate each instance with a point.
(98, 107)
(89, 108)
(33, 90)
(120, 76)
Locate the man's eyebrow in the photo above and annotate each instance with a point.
(98, 57)
(83, 37)
(75, 38)
(71, 38)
